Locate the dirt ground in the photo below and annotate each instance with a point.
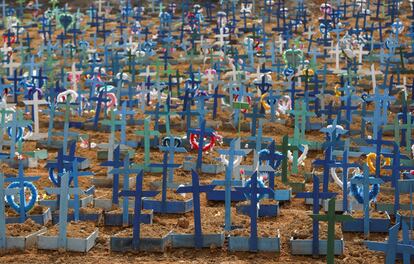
(293, 221)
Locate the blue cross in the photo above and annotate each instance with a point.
(99, 101)
(366, 181)
(188, 113)
(67, 107)
(316, 195)
(392, 246)
(196, 189)
(259, 137)
(17, 122)
(202, 132)
(165, 166)
(21, 179)
(233, 151)
(115, 163)
(171, 149)
(138, 194)
(253, 191)
(125, 171)
(74, 175)
(254, 116)
(274, 158)
(63, 191)
(3, 193)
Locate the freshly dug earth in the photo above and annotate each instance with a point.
(22, 229)
(130, 210)
(173, 196)
(147, 231)
(74, 229)
(372, 214)
(36, 210)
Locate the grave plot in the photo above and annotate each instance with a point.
(227, 131)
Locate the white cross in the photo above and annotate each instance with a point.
(99, 2)
(373, 77)
(5, 117)
(221, 37)
(6, 49)
(35, 102)
(337, 52)
(309, 33)
(11, 65)
(361, 52)
(374, 80)
(210, 78)
(280, 43)
(403, 87)
(147, 73)
(74, 81)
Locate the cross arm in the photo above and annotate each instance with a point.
(71, 191)
(189, 189)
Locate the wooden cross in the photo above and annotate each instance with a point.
(112, 123)
(302, 113)
(253, 191)
(11, 65)
(171, 149)
(165, 167)
(331, 218)
(232, 152)
(115, 163)
(138, 194)
(21, 179)
(147, 133)
(196, 189)
(17, 122)
(125, 171)
(67, 108)
(366, 181)
(202, 132)
(392, 246)
(74, 177)
(64, 191)
(35, 102)
(316, 195)
(274, 158)
(284, 148)
(3, 193)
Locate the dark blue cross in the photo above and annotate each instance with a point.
(138, 194)
(202, 132)
(253, 191)
(165, 166)
(74, 175)
(345, 165)
(196, 189)
(115, 163)
(188, 113)
(125, 171)
(366, 181)
(274, 158)
(99, 100)
(216, 96)
(254, 116)
(316, 195)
